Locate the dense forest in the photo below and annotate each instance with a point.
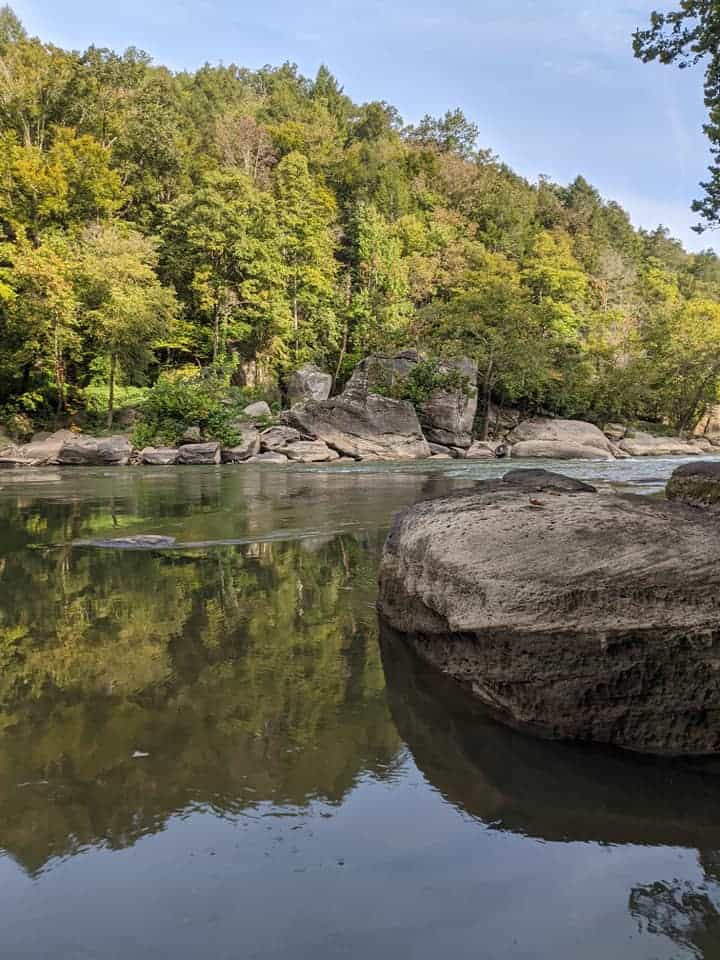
(160, 228)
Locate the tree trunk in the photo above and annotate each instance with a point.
(111, 392)
(487, 393)
(216, 332)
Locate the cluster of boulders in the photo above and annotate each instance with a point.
(569, 612)
(367, 422)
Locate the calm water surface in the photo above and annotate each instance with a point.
(206, 752)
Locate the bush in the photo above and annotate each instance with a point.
(95, 397)
(178, 402)
(425, 379)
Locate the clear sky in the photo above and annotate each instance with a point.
(552, 84)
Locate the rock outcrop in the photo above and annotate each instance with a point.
(363, 425)
(576, 433)
(246, 447)
(308, 383)
(197, 454)
(643, 445)
(575, 615)
(559, 450)
(697, 484)
(82, 451)
(447, 416)
(43, 450)
(159, 456)
(309, 451)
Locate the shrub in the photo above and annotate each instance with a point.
(178, 402)
(425, 379)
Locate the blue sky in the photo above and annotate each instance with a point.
(552, 84)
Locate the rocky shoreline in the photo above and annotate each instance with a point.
(567, 612)
(367, 422)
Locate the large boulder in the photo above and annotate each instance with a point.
(43, 449)
(246, 447)
(551, 430)
(159, 456)
(557, 450)
(647, 446)
(309, 451)
(257, 411)
(447, 416)
(81, 451)
(697, 484)
(572, 614)
(308, 383)
(363, 425)
(195, 454)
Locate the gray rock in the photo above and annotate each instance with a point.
(192, 435)
(549, 430)
(447, 417)
(483, 449)
(159, 456)
(275, 438)
(697, 484)
(647, 446)
(439, 449)
(363, 425)
(247, 447)
(555, 450)
(78, 450)
(573, 615)
(703, 444)
(615, 431)
(269, 456)
(43, 450)
(441, 456)
(257, 411)
(195, 454)
(308, 383)
(309, 451)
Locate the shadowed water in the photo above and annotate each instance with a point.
(206, 752)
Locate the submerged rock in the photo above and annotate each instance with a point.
(575, 615)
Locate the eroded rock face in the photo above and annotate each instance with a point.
(309, 451)
(308, 383)
(647, 446)
(196, 454)
(363, 425)
(248, 446)
(568, 432)
(559, 450)
(94, 451)
(447, 417)
(159, 456)
(576, 615)
(697, 484)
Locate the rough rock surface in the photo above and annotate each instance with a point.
(91, 451)
(42, 450)
(159, 456)
(574, 615)
(309, 451)
(256, 411)
(247, 447)
(484, 449)
(194, 454)
(697, 484)
(269, 456)
(447, 417)
(549, 430)
(363, 425)
(557, 450)
(647, 446)
(274, 438)
(615, 431)
(308, 383)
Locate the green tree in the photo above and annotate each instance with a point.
(124, 303)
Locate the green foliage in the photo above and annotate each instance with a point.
(177, 402)
(426, 378)
(151, 220)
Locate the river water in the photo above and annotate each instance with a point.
(205, 752)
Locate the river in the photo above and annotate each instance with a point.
(205, 752)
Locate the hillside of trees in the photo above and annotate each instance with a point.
(156, 224)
